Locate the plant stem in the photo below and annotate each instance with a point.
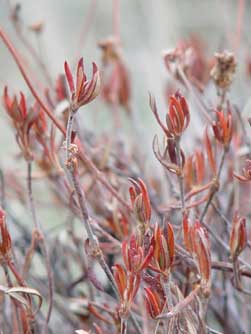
(166, 284)
(43, 246)
(69, 133)
(123, 326)
(157, 327)
(85, 29)
(2, 189)
(85, 214)
(180, 177)
(116, 19)
(215, 185)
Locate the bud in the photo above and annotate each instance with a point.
(5, 239)
(163, 255)
(238, 236)
(209, 150)
(169, 158)
(116, 81)
(140, 200)
(85, 90)
(187, 234)
(154, 304)
(246, 177)
(135, 256)
(128, 285)
(22, 121)
(201, 249)
(223, 127)
(177, 118)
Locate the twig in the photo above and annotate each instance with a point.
(43, 245)
(180, 177)
(215, 185)
(71, 165)
(87, 24)
(123, 326)
(2, 189)
(116, 19)
(213, 331)
(181, 305)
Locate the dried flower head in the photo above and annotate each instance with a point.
(188, 57)
(83, 91)
(223, 71)
(238, 236)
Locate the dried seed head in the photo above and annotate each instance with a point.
(223, 71)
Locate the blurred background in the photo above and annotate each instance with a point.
(73, 28)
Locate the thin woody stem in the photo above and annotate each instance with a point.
(180, 177)
(2, 189)
(69, 133)
(116, 19)
(85, 29)
(123, 326)
(43, 246)
(237, 282)
(157, 327)
(85, 215)
(215, 185)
